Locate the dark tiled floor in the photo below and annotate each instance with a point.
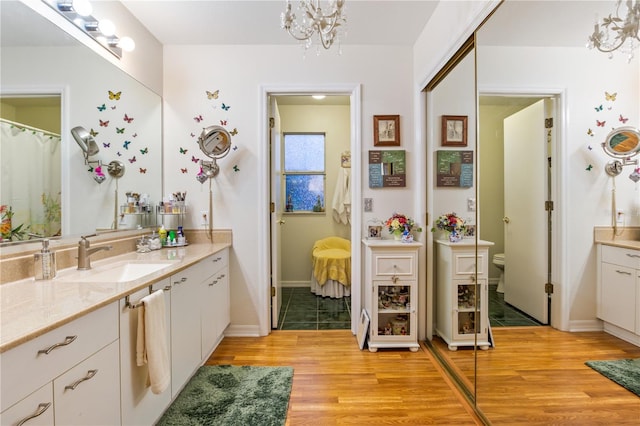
(303, 310)
(502, 314)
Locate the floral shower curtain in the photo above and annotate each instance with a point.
(30, 179)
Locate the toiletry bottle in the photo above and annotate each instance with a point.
(172, 238)
(163, 235)
(45, 262)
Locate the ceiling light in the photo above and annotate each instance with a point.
(327, 26)
(615, 32)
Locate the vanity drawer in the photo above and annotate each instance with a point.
(394, 263)
(24, 369)
(621, 256)
(464, 264)
(216, 262)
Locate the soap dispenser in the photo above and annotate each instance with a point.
(45, 262)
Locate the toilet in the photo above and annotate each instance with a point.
(498, 260)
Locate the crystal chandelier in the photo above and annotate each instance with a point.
(615, 32)
(314, 21)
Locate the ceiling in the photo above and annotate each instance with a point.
(251, 22)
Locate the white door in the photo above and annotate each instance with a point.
(525, 193)
(276, 212)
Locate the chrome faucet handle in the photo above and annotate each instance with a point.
(84, 237)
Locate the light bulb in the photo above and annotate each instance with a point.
(127, 44)
(82, 7)
(107, 27)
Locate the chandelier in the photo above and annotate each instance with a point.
(615, 32)
(314, 21)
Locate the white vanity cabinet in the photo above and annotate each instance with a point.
(34, 410)
(59, 358)
(140, 406)
(461, 284)
(618, 291)
(215, 301)
(391, 293)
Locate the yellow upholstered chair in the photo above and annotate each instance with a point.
(331, 272)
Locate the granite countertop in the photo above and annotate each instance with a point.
(628, 237)
(628, 244)
(30, 308)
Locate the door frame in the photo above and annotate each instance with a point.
(264, 239)
(559, 311)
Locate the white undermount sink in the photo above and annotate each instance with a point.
(120, 272)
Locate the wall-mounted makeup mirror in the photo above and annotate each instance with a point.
(623, 142)
(121, 114)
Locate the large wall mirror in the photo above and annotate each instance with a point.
(532, 64)
(51, 83)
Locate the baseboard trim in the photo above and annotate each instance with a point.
(242, 331)
(295, 284)
(585, 325)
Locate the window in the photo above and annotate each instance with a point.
(304, 172)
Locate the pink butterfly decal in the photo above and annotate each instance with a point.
(128, 119)
(600, 123)
(623, 120)
(223, 122)
(143, 171)
(194, 159)
(183, 170)
(104, 123)
(132, 160)
(198, 118)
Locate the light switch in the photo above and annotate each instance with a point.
(368, 204)
(471, 204)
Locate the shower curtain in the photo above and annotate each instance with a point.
(30, 179)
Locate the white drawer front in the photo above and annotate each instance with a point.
(24, 369)
(464, 264)
(37, 408)
(402, 265)
(621, 256)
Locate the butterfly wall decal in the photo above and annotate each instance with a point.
(213, 95)
(119, 130)
(183, 151)
(223, 122)
(233, 132)
(104, 123)
(125, 145)
(135, 135)
(610, 97)
(114, 96)
(90, 169)
(623, 120)
(127, 118)
(590, 148)
(119, 155)
(194, 159)
(143, 171)
(113, 107)
(93, 133)
(589, 167)
(598, 108)
(225, 107)
(590, 132)
(132, 159)
(102, 107)
(144, 151)
(183, 170)
(235, 147)
(106, 145)
(600, 123)
(198, 118)
(235, 168)
(193, 135)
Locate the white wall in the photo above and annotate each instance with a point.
(189, 71)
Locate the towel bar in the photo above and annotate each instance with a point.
(138, 304)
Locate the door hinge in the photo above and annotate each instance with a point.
(272, 122)
(273, 292)
(548, 123)
(548, 206)
(548, 288)
(273, 207)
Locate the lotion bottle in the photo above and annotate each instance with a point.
(45, 262)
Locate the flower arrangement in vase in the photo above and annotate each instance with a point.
(452, 224)
(399, 225)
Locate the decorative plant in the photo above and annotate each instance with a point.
(450, 222)
(399, 223)
(52, 212)
(6, 231)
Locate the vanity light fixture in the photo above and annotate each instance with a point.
(327, 26)
(79, 12)
(615, 32)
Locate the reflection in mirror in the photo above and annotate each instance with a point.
(623, 142)
(122, 116)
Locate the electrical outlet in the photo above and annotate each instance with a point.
(620, 217)
(203, 218)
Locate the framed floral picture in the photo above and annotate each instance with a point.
(454, 130)
(386, 130)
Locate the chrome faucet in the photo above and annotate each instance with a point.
(84, 252)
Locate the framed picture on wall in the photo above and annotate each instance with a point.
(454, 130)
(386, 130)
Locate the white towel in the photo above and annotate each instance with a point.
(151, 343)
(342, 197)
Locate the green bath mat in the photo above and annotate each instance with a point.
(625, 372)
(230, 395)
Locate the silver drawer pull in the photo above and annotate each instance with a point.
(633, 255)
(623, 272)
(67, 341)
(221, 276)
(183, 279)
(75, 384)
(41, 409)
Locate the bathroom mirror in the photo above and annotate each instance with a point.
(622, 143)
(122, 115)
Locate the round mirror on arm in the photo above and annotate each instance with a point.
(622, 144)
(215, 143)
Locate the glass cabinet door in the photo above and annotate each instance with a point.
(393, 309)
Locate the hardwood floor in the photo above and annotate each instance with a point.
(537, 376)
(534, 376)
(335, 383)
